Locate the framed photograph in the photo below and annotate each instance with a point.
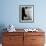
(26, 13)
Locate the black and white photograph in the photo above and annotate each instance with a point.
(26, 13)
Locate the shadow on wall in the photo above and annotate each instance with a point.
(2, 26)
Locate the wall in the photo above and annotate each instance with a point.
(9, 13)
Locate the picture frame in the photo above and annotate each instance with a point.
(26, 13)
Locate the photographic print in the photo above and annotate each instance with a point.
(26, 13)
